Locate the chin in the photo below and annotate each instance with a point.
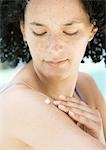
(56, 75)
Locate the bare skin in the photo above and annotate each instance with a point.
(27, 122)
(18, 130)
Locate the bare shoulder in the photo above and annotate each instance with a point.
(90, 89)
(93, 95)
(26, 117)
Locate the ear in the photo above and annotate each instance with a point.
(93, 30)
(22, 29)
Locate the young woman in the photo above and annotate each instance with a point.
(50, 105)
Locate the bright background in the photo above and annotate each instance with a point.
(97, 71)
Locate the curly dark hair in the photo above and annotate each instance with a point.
(13, 48)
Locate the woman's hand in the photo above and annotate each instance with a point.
(86, 118)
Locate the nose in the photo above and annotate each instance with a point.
(56, 44)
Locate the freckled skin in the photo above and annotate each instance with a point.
(28, 119)
(55, 44)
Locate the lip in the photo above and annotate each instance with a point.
(56, 63)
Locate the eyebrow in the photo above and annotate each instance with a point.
(36, 24)
(72, 22)
(67, 24)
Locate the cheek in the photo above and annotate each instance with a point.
(36, 47)
(36, 44)
(78, 44)
(77, 47)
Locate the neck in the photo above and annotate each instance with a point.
(53, 88)
(65, 87)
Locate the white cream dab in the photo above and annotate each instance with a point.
(47, 101)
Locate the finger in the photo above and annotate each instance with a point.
(86, 114)
(79, 109)
(75, 105)
(91, 124)
(68, 98)
(88, 122)
(80, 125)
(79, 112)
(66, 110)
(63, 108)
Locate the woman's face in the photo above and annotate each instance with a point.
(57, 33)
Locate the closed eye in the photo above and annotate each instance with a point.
(70, 34)
(38, 34)
(41, 34)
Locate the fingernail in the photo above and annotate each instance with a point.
(61, 106)
(56, 102)
(71, 113)
(61, 96)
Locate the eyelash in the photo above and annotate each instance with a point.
(41, 34)
(70, 34)
(38, 34)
